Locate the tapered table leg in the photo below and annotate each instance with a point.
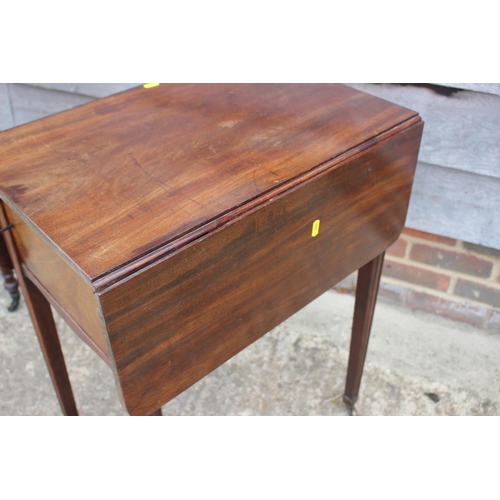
(10, 282)
(366, 298)
(43, 322)
(45, 328)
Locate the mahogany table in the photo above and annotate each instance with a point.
(173, 225)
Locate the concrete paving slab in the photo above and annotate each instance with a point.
(297, 369)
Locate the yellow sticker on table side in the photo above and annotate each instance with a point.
(315, 228)
(150, 85)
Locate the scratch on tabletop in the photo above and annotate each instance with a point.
(214, 152)
(166, 188)
(193, 200)
(204, 250)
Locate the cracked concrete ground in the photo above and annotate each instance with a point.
(417, 364)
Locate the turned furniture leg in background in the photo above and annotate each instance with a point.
(6, 268)
(366, 298)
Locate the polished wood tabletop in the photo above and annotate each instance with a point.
(171, 226)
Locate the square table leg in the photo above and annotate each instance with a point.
(45, 329)
(366, 298)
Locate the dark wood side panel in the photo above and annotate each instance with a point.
(69, 289)
(171, 324)
(67, 318)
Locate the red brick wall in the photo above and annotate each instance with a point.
(448, 277)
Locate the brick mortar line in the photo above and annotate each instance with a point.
(495, 273)
(447, 272)
(409, 245)
(457, 249)
(451, 287)
(437, 293)
(418, 288)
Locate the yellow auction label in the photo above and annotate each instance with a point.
(150, 85)
(315, 228)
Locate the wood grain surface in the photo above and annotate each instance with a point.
(174, 322)
(110, 181)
